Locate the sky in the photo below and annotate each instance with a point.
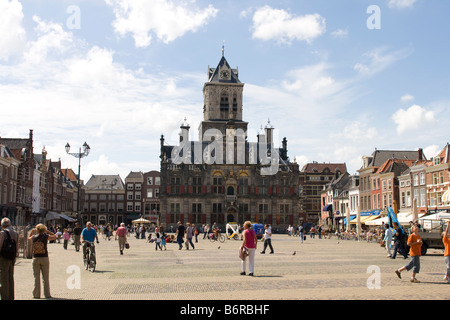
(336, 78)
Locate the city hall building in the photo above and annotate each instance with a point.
(223, 177)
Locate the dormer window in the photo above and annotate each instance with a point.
(436, 161)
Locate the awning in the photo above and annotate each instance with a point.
(51, 215)
(344, 221)
(63, 216)
(328, 208)
(446, 196)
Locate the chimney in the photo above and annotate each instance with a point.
(420, 154)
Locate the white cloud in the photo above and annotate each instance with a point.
(379, 59)
(432, 151)
(280, 25)
(407, 98)
(165, 19)
(12, 33)
(412, 119)
(340, 33)
(401, 3)
(85, 94)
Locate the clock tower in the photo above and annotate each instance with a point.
(222, 95)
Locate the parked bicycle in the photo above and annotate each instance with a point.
(89, 259)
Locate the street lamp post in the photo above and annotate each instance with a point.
(79, 155)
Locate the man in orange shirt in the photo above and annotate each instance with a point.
(415, 243)
(446, 241)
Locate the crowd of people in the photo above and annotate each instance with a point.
(393, 239)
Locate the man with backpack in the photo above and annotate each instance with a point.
(9, 246)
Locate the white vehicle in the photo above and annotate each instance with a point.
(432, 227)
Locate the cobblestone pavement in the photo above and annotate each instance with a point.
(321, 269)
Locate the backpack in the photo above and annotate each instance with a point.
(9, 249)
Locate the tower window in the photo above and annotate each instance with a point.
(224, 105)
(235, 106)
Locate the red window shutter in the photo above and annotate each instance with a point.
(181, 189)
(291, 219)
(278, 190)
(269, 219)
(168, 218)
(168, 190)
(256, 190)
(203, 218)
(204, 189)
(190, 190)
(291, 191)
(270, 190)
(182, 218)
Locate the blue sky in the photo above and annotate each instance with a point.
(119, 73)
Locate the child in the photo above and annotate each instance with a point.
(157, 242)
(66, 237)
(163, 241)
(58, 236)
(446, 241)
(415, 243)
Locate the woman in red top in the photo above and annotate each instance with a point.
(250, 242)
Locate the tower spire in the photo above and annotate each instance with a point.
(223, 48)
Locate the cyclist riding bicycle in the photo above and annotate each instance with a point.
(215, 230)
(88, 235)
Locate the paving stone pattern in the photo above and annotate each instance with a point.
(321, 269)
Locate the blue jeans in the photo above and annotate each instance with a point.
(399, 247)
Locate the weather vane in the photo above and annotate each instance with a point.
(223, 48)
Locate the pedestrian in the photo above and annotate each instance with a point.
(398, 241)
(142, 231)
(66, 238)
(415, 243)
(205, 231)
(58, 235)
(250, 242)
(267, 238)
(195, 233)
(163, 241)
(158, 242)
(121, 234)
(76, 236)
(312, 232)
(189, 236)
(180, 234)
(300, 232)
(7, 259)
(388, 233)
(41, 264)
(446, 241)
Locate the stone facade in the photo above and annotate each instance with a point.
(222, 177)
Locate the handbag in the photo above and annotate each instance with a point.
(127, 245)
(243, 253)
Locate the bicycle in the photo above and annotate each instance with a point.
(89, 259)
(220, 237)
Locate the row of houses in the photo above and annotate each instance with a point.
(35, 189)
(32, 187)
(406, 180)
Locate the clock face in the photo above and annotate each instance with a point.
(225, 74)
